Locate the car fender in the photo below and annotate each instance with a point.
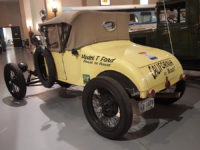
(128, 70)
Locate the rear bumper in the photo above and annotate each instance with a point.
(161, 86)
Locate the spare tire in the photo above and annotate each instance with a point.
(45, 66)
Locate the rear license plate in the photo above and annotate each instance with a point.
(146, 105)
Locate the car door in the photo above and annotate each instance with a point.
(55, 47)
(72, 66)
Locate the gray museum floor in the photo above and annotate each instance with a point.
(53, 119)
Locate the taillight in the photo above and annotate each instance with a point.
(184, 76)
(167, 84)
(199, 20)
(152, 93)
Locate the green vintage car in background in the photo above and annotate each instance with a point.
(183, 17)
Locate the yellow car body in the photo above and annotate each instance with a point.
(92, 49)
(101, 44)
(148, 68)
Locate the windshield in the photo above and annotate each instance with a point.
(56, 36)
(143, 17)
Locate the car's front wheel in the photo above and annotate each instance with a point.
(15, 81)
(45, 67)
(107, 107)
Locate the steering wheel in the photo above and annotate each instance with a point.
(171, 20)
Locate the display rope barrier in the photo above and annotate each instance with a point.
(170, 38)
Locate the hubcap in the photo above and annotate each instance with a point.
(14, 88)
(106, 109)
(110, 108)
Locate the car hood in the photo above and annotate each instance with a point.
(135, 54)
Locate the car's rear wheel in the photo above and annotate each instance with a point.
(15, 81)
(178, 88)
(107, 107)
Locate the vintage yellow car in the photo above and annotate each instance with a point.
(92, 49)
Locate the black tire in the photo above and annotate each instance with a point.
(63, 84)
(15, 81)
(47, 75)
(179, 87)
(113, 99)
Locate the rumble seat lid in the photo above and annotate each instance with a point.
(135, 54)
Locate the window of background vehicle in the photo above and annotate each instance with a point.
(133, 19)
(176, 13)
(146, 17)
(183, 15)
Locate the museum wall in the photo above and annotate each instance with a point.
(10, 14)
(35, 10)
(30, 12)
(153, 1)
(73, 3)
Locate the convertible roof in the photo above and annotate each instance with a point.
(88, 27)
(66, 17)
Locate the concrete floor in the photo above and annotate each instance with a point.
(50, 119)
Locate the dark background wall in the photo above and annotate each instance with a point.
(10, 14)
